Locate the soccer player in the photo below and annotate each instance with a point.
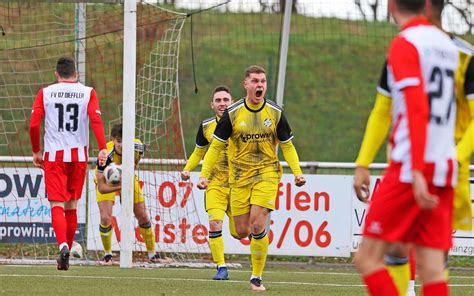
(377, 129)
(67, 106)
(217, 198)
(106, 193)
(413, 203)
(252, 127)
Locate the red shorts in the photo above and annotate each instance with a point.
(64, 180)
(394, 215)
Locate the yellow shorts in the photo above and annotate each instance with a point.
(462, 212)
(217, 202)
(137, 196)
(261, 193)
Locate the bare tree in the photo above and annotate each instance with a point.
(373, 5)
(283, 5)
(465, 11)
(277, 7)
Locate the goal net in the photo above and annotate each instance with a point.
(32, 37)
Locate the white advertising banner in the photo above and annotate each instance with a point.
(322, 218)
(25, 213)
(463, 241)
(313, 220)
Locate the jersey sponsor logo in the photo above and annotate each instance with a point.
(257, 137)
(67, 95)
(375, 227)
(267, 122)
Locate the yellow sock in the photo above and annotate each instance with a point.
(106, 237)
(148, 236)
(446, 273)
(400, 274)
(216, 243)
(259, 251)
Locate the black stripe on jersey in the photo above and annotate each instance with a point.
(201, 140)
(273, 104)
(284, 132)
(236, 105)
(255, 111)
(469, 80)
(224, 127)
(383, 87)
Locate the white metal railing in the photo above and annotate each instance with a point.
(303, 164)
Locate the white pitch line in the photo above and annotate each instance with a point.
(248, 271)
(188, 279)
(166, 279)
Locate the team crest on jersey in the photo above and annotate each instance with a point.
(267, 122)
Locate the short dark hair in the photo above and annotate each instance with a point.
(415, 6)
(437, 6)
(116, 131)
(66, 67)
(221, 88)
(254, 69)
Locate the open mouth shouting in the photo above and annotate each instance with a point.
(259, 93)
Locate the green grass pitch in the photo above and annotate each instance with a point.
(93, 280)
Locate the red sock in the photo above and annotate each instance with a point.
(71, 219)
(436, 289)
(59, 224)
(379, 283)
(412, 264)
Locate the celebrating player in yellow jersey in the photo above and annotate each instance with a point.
(377, 130)
(106, 198)
(253, 127)
(217, 197)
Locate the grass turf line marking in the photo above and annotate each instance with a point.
(247, 271)
(166, 279)
(195, 280)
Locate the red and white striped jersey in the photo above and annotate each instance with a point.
(67, 108)
(422, 62)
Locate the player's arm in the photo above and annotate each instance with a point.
(197, 155)
(221, 135)
(285, 136)
(93, 110)
(405, 62)
(378, 124)
(376, 131)
(37, 114)
(102, 185)
(466, 145)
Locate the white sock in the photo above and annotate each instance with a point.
(151, 255)
(411, 288)
(63, 245)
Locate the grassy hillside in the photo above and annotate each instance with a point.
(332, 72)
(333, 68)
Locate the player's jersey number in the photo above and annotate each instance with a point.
(68, 117)
(441, 95)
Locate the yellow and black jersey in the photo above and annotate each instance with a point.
(382, 87)
(464, 86)
(115, 157)
(220, 174)
(252, 136)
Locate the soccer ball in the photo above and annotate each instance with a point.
(113, 174)
(76, 250)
